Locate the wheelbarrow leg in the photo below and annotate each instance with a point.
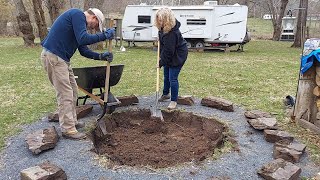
(85, 99)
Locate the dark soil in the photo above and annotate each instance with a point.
(136, 139)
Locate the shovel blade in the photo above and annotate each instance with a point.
(156, 112)
(101, 125)
(157, 115)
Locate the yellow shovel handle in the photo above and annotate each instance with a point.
(158, 68)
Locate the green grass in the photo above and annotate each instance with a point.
(260, 28)
(258, 78)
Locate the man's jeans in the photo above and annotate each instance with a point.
(62, 78)
(171, 81)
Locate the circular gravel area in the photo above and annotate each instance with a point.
(79, 162)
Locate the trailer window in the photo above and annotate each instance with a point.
(196, 21)
(144, 19)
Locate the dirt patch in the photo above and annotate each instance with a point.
(136, 139)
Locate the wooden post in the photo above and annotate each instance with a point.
(120, 31)
(108, 24)
(305, 107)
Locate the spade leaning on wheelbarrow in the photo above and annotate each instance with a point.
(67, 34)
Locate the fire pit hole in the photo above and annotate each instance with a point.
(136, 139)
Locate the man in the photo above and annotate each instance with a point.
(67, 34)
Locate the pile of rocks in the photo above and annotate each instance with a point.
(286, 150)
(46, 139)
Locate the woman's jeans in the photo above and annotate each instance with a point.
(171, 81)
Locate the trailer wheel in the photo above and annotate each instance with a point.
(199, 44)
(189, 44)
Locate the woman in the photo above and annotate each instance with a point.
(173, 53)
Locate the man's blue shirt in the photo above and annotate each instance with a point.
(69, 32)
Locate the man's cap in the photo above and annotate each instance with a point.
(99, 16)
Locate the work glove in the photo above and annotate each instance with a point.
(107, 56)
(109, 33)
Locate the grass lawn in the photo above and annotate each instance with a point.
(260, 28)
(258, 78)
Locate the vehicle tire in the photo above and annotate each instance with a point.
(189, 44)
(199, 44)
(247, 38)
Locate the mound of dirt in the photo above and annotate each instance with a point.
(136, 139)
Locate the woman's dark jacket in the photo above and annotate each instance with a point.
(173, 48)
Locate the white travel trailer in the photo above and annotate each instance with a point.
(203, 25)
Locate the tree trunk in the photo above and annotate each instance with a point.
(3, 27)
(301, 24)
(277, 18)
(24, 23)
(55, 7)
(40, 19)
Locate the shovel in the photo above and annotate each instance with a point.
(100, 122)
(156, 112)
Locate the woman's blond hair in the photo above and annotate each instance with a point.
(165, 19)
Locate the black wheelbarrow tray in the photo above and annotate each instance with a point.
(89, 78)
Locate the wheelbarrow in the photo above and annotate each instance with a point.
(89, 78)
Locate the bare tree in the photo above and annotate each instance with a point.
(39, 18)
(277, 12)
(301, 24)
(24, 23)
(223, 1)
(93, 4)
(4, 15)
(76, 4)
(55, 7)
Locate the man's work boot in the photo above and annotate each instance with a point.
(80, 125)
(172, 105)
(74, 135)
(164, 97)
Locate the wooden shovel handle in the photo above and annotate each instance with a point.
(158, 68)
(106, 87)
